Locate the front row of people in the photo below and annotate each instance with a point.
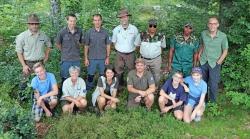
(185, 97)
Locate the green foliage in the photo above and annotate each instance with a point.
(213, 109)
(239, 99)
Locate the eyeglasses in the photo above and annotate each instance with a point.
(150, 26)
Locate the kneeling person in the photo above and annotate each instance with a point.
(74, 92)
(106, 90)
(172, 95)
(141, 86)
(45, 92)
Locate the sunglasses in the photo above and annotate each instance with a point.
(150, 26)
(33, 23)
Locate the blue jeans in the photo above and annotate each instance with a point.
(65, 65)
(94, 64)
(212, 77)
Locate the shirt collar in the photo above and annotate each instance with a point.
(30, 33)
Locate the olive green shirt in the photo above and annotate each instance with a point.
(140, 83)
(213, 47)
(32, 46)
(183, 52)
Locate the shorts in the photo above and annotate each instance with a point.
(181, 107)
(192, 101)
(37, 111)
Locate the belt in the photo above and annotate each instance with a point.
(33, 61)
(150, 58)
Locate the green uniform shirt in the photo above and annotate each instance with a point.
(183, 52)
(32, 46)
(140, 83)
(213, 47)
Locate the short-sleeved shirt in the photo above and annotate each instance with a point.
(124, 38)
(196, 90)
(70, 44)
(183, 51)
(32, 46)
(177, 94)
(79, 89)
(150, 47)
(107, 88)
(140, 83)
(213, 47)
(97, 42)
(43, 86)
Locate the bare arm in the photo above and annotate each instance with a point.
(47, 51)
(26, 68)
(108, 54)
(53, 92)
(59, 46)
(170, 59)
(86, 50)
(195, 59)
(131, 89)
(223, 56)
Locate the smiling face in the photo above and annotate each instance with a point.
(124, 20)
(196, 77)
(109, 74)
(187, 30)
(71, 21)
(74, 75)
(213, 24)
(177, 78)
(40, 72)
(140, 67)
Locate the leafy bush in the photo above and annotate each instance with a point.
(239, 99)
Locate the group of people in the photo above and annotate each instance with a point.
(193, 65)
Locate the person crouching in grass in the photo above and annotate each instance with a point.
(45, 92)
(74, 92)
(195, 106)
(106, 90)
(173, 96)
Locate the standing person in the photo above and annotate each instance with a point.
(141, 86)
(183, 53)
(173, 96)
(74, 92)
(106, 90)
(32, 46)
(123, 38)
(68, 41)
(97, 50)
(151, 44)
(212, 54)
(195, 104)
(45, 92)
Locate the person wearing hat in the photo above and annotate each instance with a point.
(123, 39)
(141, 86)
(195, 103)
(68, 41)
(151, 43)
(183, 53)
(32, 46)
(214, 49)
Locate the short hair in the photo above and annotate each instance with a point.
(74, 68)
(215, 17)
(37, 65)
(178, 72)
(99, 15)
(72, 15)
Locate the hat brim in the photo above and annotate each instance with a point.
(121, 15)
(35, 22)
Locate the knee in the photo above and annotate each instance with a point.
(53, 102)
(113, 106)
(150, 98)
(161, 99)
(179, 116)
(65, 108)
(101, 100)
(83, 102)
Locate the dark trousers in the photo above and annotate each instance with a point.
(212, 77)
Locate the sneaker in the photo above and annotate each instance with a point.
(197, 118)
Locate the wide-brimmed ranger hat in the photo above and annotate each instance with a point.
(123, 12)
(33, 19)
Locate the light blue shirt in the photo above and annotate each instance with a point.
(124, 39)
(43, 86)
(196, 90)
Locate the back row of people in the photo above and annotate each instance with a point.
(185, 51)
